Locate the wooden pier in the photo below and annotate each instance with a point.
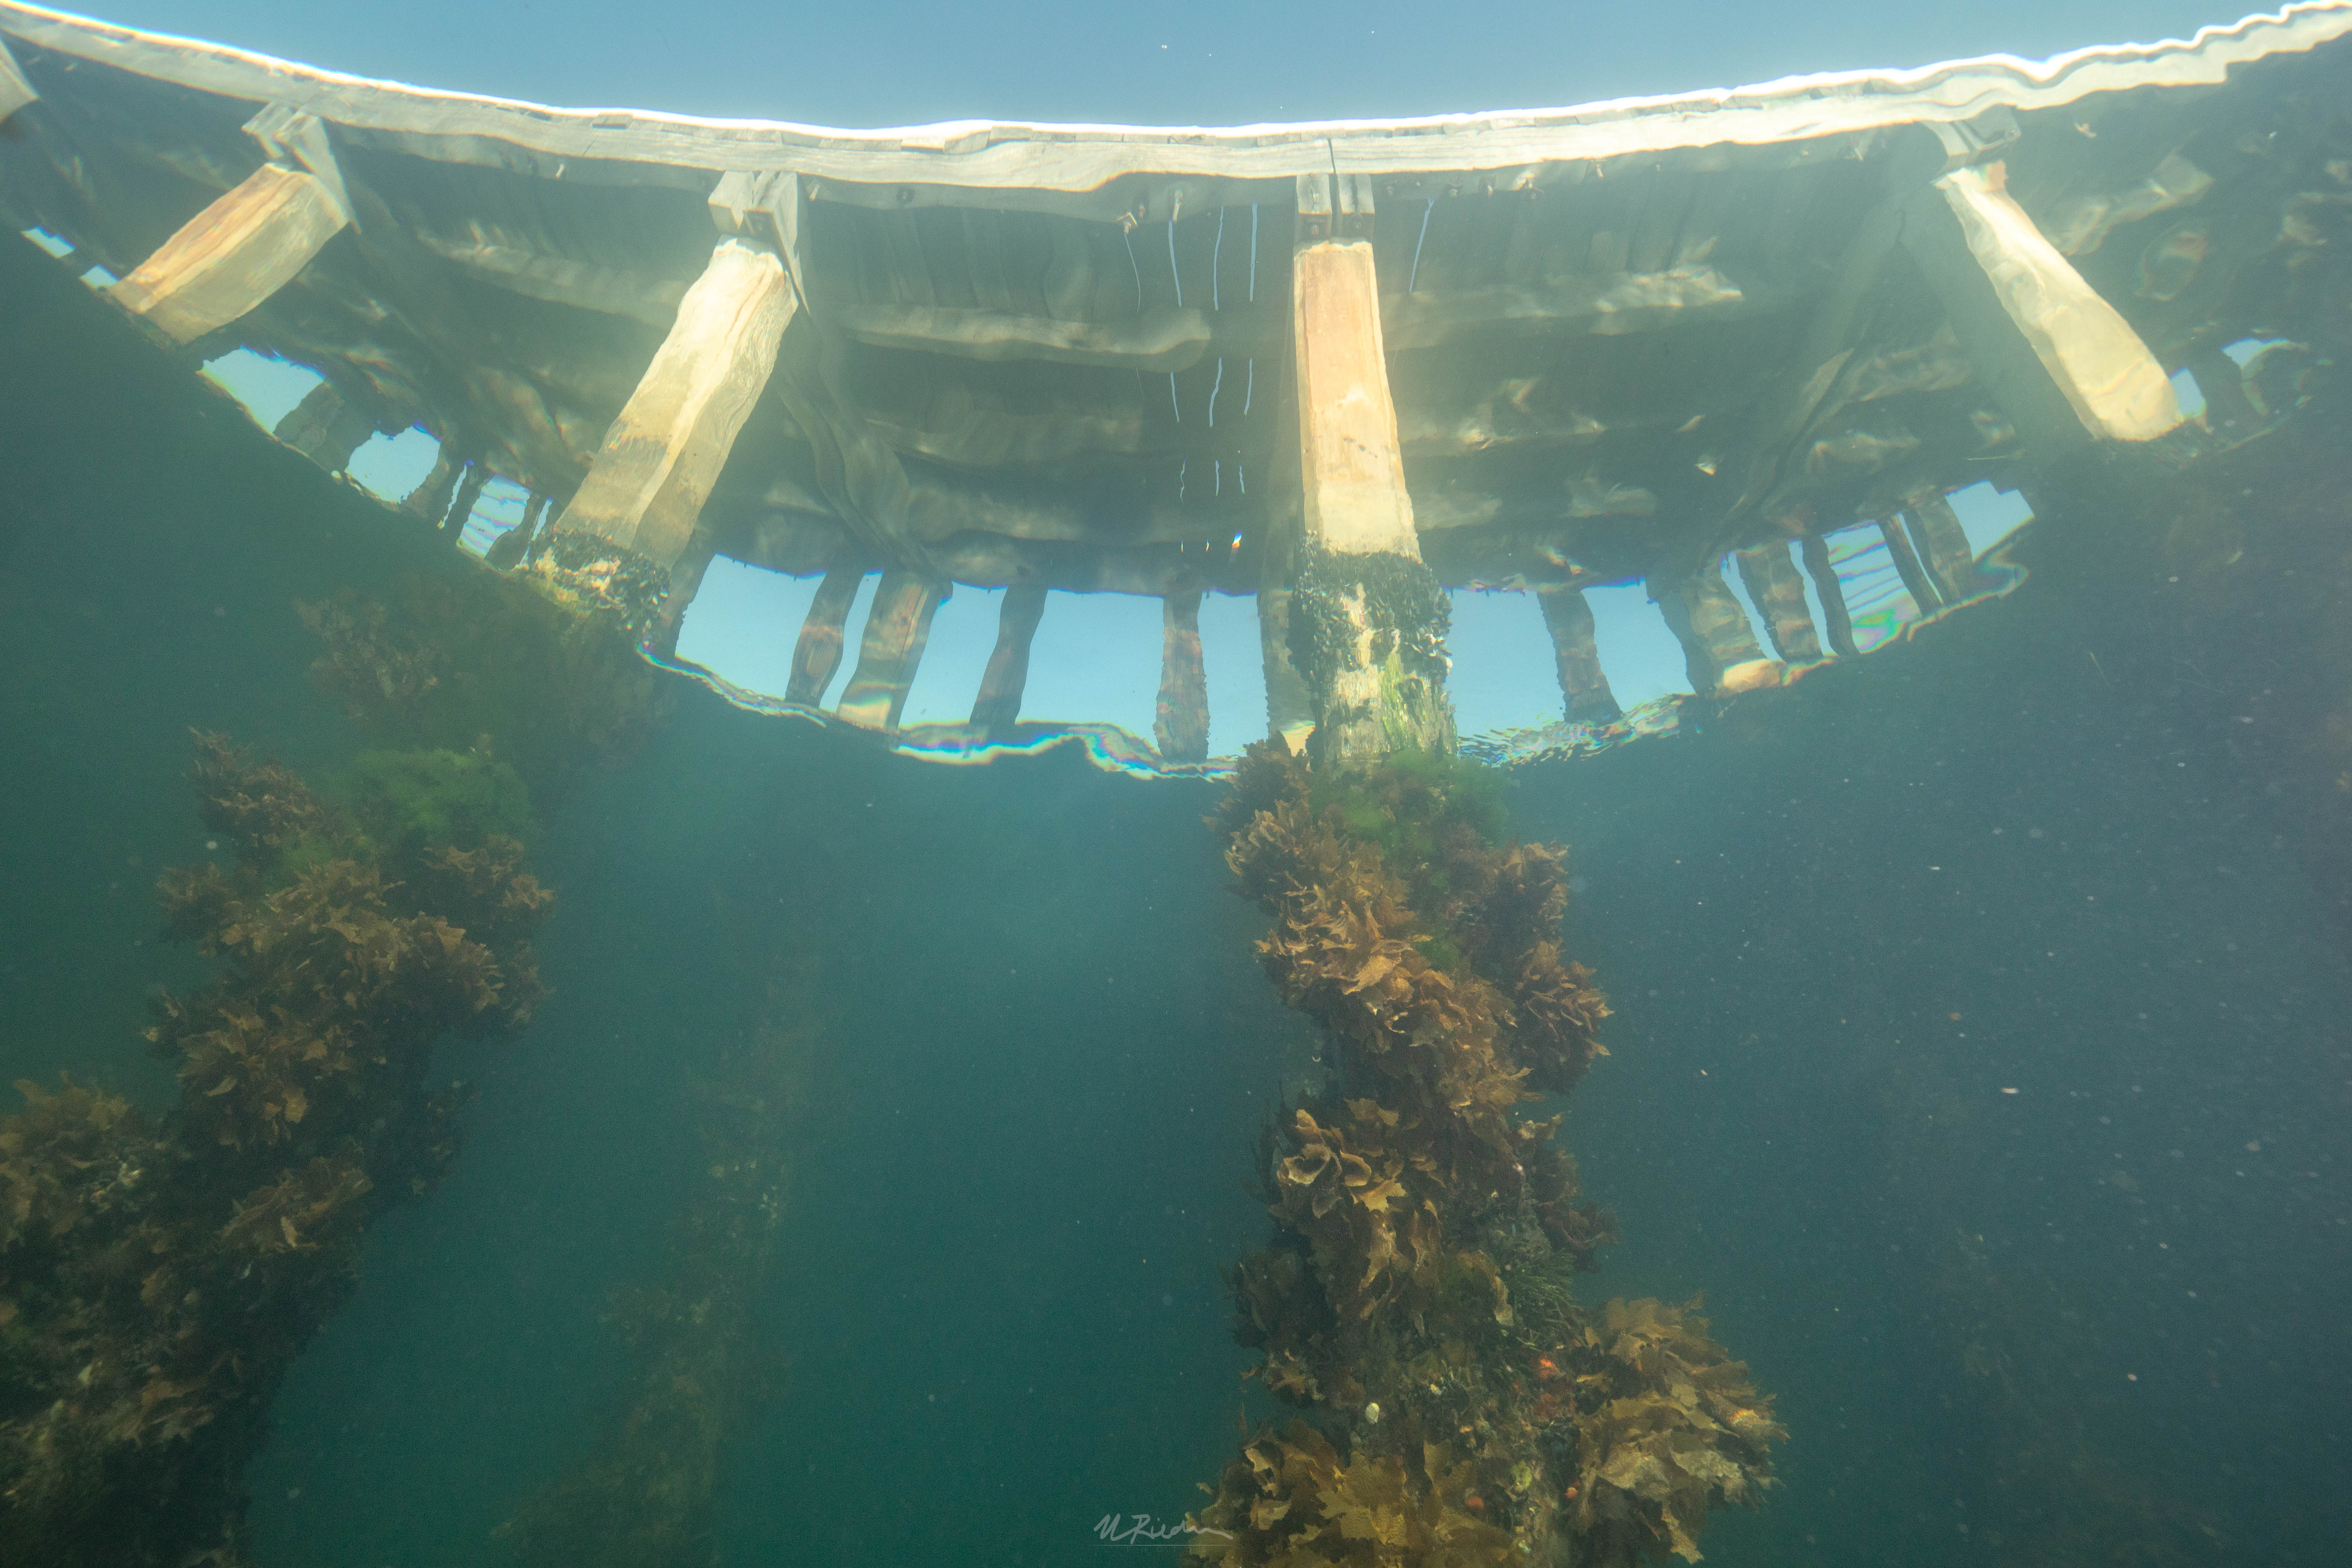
(1549, 349)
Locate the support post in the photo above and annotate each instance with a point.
(645, 490)
(817, 654)
(997, 707)
(324, 429)
(2228, 412)
(1839, 626)
(507, 550)
(461, 510)
(1779, 595)
(1583, 685)
(1180, 727)
(685, 581)
(2056, 355)
(1708, 620)
(895, 629)
(1906, 564)
(430, 498)
(1366, 618)
(251, 242)
(1943, 545)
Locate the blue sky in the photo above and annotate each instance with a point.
(892, 62)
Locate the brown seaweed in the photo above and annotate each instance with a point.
(159, 1274)
(1416, 1296)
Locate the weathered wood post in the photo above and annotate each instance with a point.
(251, 241)
(430, 498)
(509, 549)
(997, 707)
(325, 429)
(1906, 566)
(1838, 625)
(1179, 724)
(469, 494)
(817, 654)
(897, 626)
(1367, 619)
(1575, 656)
(1779, 595)
(1708, 620)
(1943, 545)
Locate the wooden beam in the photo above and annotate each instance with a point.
(1779, 595)
(1367, 617)
(1602, 304)
(817, 654)
(1708, 620)
(1180, 726)
(2056, 354)
(1922, 587)
(645, 490)
(895, 629)
(997, 707)
(1583, 685)
(1839, 627)
(1943, 545)
(1160, 343)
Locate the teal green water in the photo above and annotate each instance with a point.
(1836, 933)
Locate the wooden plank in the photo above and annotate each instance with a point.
(895, 629)
(1576, 657)
(1179, 724)
(1013, 162)
(1772, 583)
(1603, 303)
(1162, 341)
(646, 488)
(2054, 353)
(235, 254)
(1708, 620)
(817, 654)
(1839, 626)
(1922, 587)
(997, 707)
(1943, 545)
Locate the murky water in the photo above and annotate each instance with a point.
(1978, 1052)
